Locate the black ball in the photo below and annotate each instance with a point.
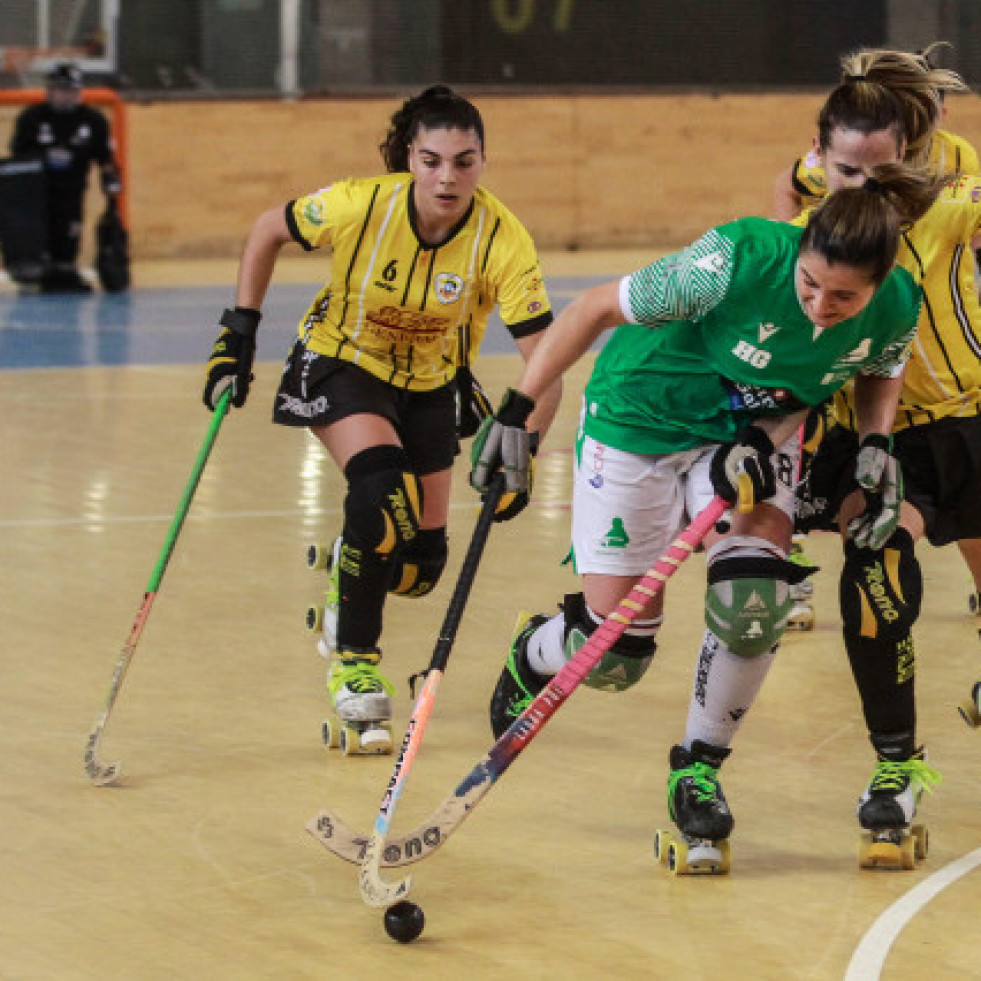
(404, 921)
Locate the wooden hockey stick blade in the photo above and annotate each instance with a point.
(433, 832)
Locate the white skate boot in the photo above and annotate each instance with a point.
(361, 705)
(801, 616)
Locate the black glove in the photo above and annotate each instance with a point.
(749, 454)
(503, 443)
(112, 182)
(232, 357)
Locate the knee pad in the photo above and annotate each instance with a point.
(384, 501)
(747, 601)
(623, 665)
(881, 591)
(420, 564)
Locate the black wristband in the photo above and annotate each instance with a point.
(878, 441)
(757, 438)
(515, 408)
(241, 320)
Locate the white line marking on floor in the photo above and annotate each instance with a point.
(870, 955)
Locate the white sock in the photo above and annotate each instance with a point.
(726, 685)
(546, 647)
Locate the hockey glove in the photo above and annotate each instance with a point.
(232, 357)
(112, 183)
(879, 475)
(503, 444)
(472, 404)
(749, 454)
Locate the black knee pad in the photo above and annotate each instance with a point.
(622, 666)
(881, 590)
(420, 564)
(384, 501)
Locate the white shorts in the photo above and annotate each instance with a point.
(627, 508)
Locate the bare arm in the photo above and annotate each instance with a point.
(547, 404)
(876, 401)
(269, 234)
(786, 200)
(569, 337)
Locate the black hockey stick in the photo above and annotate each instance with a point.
(374, 890)
(344, 842)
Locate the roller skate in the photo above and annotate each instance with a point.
(323, 619)
(361, 705)
(970, 708)
(699, 809)
(801, 616)
(518, 684)
(886, 809)
(974, 605)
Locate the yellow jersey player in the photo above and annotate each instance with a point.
(421, 256)
(936, 433)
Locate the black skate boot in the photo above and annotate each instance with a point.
(518, 684)
(699, 809)
(888, 805)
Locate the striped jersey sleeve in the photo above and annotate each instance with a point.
(683, 286)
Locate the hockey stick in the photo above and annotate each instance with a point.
(433, 832)
(101, 773)
(374, 890)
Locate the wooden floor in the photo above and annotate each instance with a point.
(198, 865)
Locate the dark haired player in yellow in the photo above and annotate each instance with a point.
(937, 430)
(421, 256)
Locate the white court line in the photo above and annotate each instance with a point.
(870, 955)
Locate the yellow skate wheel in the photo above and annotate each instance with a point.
(725, 862)
(315, 619)
(662, 840)
(350, 741)
(921, 841)
(907, 852)
(331, 735)
(678, 857)
(319, 557)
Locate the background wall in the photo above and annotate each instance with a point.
(580, 171)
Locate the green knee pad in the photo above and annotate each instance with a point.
(621, 667)
(747, 613)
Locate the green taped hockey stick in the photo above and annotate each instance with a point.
(101, 773)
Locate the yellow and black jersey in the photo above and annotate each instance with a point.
(943, 375)
(408, 312)
(949, 154)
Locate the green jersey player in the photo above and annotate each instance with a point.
(716, 353)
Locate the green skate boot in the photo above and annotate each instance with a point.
(361, 705)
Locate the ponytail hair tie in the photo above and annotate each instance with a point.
(856, 78)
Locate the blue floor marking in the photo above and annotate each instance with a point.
(169, 326)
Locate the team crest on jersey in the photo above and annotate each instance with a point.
(313, 212)
(448, 287)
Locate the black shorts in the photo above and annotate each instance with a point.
(317, 390)
(941, 466)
